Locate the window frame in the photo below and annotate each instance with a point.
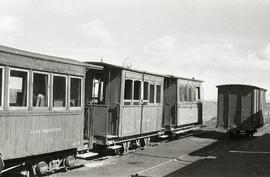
(181, 90)
(138, 101)
(130, 101)
(160, 98)
(186, 93)
(146, 101)
(48, 89)
(28, 92)
(154, 101)
(100, 94)
(3, 87)
(69, 96)
(198, 93)
(66, 95)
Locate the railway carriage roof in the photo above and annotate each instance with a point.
(124, 68)
(184, 78)
(241, 85)
(140, 71)
(14, 51)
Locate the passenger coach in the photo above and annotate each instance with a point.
(41, 110)
(127, 105)
(183, 104)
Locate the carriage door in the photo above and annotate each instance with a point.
(93, 96)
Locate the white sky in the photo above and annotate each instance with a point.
(218, 41)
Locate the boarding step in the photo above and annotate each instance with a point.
(86, 155)
(114, 147)
(186, 129)
(163, 136)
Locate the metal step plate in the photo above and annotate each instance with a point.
(86, 155)
(163, 136)
(114, 147)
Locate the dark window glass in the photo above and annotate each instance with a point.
(40, 90)
(186, 94)
(145, 90)
(158, 94)
(128, 90)
(198, 93)
(75, 92)
(59, 91)
(152, 93)
(137, 90)
(190, 93)
(18, 88)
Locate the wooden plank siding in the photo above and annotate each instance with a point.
(122, 120)
(152, 118)
(7, 59)
(240, 107)
(188, 114)
(40, 130)
(131, 120)
(25, 134)
(181, 112)
(100, 120)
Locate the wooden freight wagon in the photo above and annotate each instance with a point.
(41, 109)
(240, 108)
(127, 105)
(183, 104)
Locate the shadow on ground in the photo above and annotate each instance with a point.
(240, 156)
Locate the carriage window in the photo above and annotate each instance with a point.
(128, 89)
(158, 94)
(40, 89)
(186, 93)
(181, 93)
(152, 93)
(137, 90)
(97, 91)
(190, 93)
(198, 93)
(59, 91)
(145, 90)
(194, 94)
(75, 92)
(1, 87)
(18, 88)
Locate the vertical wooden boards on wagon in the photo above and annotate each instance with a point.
(183, 103)
(41, 104)
(127, 104)
(240, 108)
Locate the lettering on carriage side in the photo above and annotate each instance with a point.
(45, 131)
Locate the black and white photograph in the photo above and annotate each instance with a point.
(134, 88)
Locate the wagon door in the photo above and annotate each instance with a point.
(247, 116)
(234, 119)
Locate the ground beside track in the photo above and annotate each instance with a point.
(248, 159)
(206, 153)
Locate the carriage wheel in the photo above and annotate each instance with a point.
(69, 161)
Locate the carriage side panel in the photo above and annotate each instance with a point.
(26, 135)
